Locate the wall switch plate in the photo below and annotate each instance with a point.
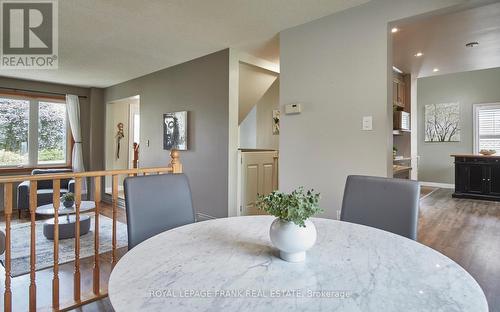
(293, 109)
(367, 123)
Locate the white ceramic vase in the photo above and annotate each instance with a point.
(291, 239)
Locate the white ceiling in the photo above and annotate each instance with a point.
(105, 42)
(442, 40)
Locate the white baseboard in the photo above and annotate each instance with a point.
(440, 185)
(203, 217)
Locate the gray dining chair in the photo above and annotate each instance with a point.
(383, 203)
(155, 204)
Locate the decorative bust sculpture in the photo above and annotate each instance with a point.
(119, 135)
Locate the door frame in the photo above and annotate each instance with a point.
(131, 130)
(106, 197)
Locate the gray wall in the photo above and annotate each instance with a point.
(248, 130)
(256, 130)
(468, 88)
(89, 114)
(338, 68)
(269, 102)
(200, 86)
(97, 123)
(253, 82)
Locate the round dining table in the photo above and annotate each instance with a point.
(230, 264)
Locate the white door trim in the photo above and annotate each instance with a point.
(436, 184)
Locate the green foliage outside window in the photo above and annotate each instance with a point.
(14, 132)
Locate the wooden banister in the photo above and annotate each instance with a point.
(96, 288)
(174, 167)
(55, 280)
(76, 278)
(175, 162)
(86, 174)
(115, 207)
(33, 204)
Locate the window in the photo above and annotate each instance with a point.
(52, 130)
(33, 132)
(14, 121)
(486, 127)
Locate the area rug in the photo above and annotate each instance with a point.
(20, 234)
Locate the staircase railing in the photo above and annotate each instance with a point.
(8, 182)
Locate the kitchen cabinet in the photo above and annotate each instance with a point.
(477, 176)
(398, 93)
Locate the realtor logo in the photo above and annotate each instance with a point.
(29, 34)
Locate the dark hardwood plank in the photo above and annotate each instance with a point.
(467, 231)
(426, 191)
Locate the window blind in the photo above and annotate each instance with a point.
(488, 128)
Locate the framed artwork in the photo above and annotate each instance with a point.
(276, 122)
(442, 122)
(175, 131)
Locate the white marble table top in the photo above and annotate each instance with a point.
(49, 208)
(230, 265)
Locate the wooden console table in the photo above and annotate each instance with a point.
(477, 177)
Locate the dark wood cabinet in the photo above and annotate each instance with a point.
(477, 177)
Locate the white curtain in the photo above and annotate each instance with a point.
(73, 106)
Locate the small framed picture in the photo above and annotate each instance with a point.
(175, 131)
(276, 122)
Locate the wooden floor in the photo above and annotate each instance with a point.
(426, 190)
(467, 231)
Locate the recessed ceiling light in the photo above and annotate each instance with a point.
(394, 30)
(419, 54)
(435, 70)
(472, 44)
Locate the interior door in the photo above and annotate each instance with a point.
(259, 175)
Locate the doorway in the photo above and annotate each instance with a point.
(450, 62)
(453, 64)
(258, 122)
(122, 138)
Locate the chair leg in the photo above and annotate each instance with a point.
(19, 213)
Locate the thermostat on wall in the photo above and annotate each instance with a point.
(293, 109)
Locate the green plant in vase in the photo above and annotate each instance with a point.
(295, 207)
(292, 232)
(68, 200)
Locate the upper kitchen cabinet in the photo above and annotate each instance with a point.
(401, 92)
(398, 93)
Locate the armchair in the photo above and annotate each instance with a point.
(44, 189)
